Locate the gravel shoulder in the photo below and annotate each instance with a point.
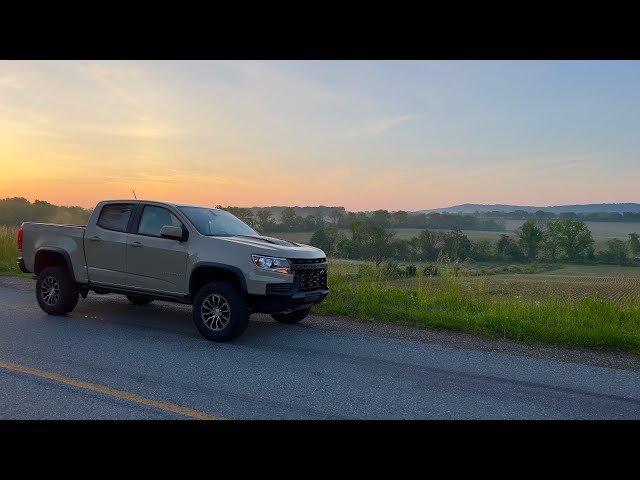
(447, 338)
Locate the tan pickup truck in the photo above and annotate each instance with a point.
(201, 256)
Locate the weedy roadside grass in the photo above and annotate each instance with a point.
(9, 250)
(468, 305)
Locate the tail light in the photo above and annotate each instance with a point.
(20, 240)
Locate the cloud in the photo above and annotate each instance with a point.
(562, 166)
(383, 126)
(10, 81)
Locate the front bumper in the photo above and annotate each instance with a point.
(286, 301)
(22, 266)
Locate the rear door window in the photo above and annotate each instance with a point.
(115, 216)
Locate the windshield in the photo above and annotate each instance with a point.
(213, 222)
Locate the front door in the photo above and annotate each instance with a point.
(155, 263)
(105, 245)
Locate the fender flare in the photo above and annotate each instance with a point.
(56, 250)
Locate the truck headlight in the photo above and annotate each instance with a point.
(272, 264)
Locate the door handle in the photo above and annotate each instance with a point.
(136, 244)
(95, 238)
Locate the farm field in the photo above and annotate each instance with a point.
(574, 282)
(601, 231)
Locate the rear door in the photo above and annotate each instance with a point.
(105, 244)
(156, 263)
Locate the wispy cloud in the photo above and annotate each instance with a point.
(384, 125)
(115, 77)
(10, 81)
(561, 162)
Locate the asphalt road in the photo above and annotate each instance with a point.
(113, 360)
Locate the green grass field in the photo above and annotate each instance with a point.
(586, 306)
(571, 282)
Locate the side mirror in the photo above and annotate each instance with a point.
(172, 232)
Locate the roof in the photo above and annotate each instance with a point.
(175, 204)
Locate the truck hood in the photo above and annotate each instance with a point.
(275, 247)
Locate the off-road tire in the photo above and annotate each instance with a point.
(237, 304)
(59, 280)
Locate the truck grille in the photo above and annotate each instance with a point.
(311, 272)
(279, 287)
(312, 279)
(313, 296)
(306, 261)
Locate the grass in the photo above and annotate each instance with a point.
(471, 304)
(9, 251)
(573, 282)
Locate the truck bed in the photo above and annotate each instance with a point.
(67, 238)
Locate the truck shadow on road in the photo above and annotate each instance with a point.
(163, 317)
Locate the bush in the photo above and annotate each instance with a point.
(411, 271)
(430, 270)
(390, 270)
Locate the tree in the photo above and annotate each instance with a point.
(346, 248)
(482, 250)
(375, 243)
(530, 237)
(508, 250)
(289, 219)
(634, 243)
(264, 220)
(399, 218)
(401, 249)
(617, 252)
(551, 241)
(337, 217)
(456, 245)
(425, 245)
(244, 214)
(311, 222)
(381, 218)
(573, 238)
(326, 239)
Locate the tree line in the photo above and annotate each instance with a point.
(560, 240)
(263, 220)
(14, 211)
(542, 215)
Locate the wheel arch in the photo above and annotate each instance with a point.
(205, 272)
(52, 257)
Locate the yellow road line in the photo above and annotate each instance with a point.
(132, 397)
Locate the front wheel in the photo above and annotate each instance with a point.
(293, 317)
(55, 291)
(220, 311)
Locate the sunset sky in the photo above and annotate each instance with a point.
(359, 134)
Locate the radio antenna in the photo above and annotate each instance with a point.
(134, 194)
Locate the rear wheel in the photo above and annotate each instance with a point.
(220, 311)
(293, 317)
(56, 292)
(139, 300)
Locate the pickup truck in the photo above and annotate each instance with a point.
(148, 250)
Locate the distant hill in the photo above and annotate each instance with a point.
(589, 208)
